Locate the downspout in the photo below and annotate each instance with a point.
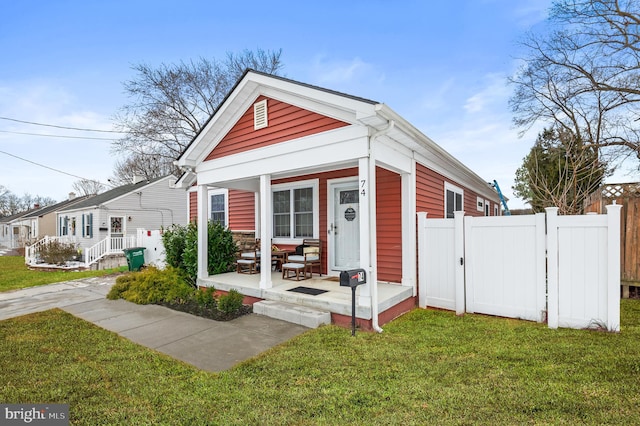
(373, 223)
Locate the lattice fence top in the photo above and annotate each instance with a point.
(620, 190)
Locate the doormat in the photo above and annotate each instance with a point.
(334, 279)
(308, 290)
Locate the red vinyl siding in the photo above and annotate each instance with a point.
(430, 194)
(242, 212)
(389, 225)
(286, 122)
(193, 206)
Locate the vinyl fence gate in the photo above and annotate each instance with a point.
(561, 269)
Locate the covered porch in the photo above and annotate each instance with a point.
(336, 299)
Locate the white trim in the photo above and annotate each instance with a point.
(480, 203)
(290, 186)
(225, 192)
(455, 189)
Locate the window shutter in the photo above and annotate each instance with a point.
(90, 225)
(83, 230)
(260, 115)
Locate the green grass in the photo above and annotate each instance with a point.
(428, 367)
(14, 274)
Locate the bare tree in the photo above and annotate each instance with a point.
(11, 204)
(148, 167)
(584, 75)
(88, 187)
(171, 103)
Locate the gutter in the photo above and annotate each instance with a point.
(373, 245)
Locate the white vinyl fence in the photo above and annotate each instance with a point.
(565, 269)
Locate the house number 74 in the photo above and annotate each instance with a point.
(363, 183)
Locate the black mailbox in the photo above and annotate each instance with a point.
(353, 278)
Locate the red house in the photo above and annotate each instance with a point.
(288, 161)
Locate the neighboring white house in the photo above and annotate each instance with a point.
(40, 222)
(119, 212)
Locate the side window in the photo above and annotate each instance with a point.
(218, 209)
(453, 200)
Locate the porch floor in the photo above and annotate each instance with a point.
(337, 299)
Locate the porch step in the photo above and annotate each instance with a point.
(301, 315)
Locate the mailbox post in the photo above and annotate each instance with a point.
(353, 278)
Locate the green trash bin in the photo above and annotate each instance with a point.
(135, 257)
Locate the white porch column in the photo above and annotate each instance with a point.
(266, 216)
(203, 219)
(409, 244)
(364, 291)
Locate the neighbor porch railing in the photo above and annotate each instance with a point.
(31, 251)
(108, 246)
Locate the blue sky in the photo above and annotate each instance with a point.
(440, 64)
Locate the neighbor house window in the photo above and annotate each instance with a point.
(295, 210)
(87, 225)
(218, 209)
(453, 200)
(64, 226)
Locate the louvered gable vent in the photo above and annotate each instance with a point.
(260, 114)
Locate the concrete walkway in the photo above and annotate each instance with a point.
(207, 344)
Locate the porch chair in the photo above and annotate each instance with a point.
(309, 254)
(249, 261)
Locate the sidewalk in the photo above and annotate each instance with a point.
(207, 344)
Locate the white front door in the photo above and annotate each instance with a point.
(344, 226)
(116, 232)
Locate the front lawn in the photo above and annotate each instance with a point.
(14, 274)
(428, 367)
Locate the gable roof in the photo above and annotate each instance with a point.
(13, 217)
(114, 193)
(58, 206)
(277, 77)
(347, 108)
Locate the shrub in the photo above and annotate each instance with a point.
(206, 297)
(152, 285)
(231, 302)
(181, 246)
(57, 253)
(173, 239)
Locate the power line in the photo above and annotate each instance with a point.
(58, 127)
(57, 136)
(50, 168)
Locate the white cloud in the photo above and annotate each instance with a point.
(337, 72)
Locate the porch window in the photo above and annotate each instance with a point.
(218, 210)
(295, 211)
(453, 200)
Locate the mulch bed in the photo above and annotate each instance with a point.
(194, 308)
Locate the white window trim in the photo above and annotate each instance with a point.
(454, 189)
(219, 191)
(480, 204)
(310, 183)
